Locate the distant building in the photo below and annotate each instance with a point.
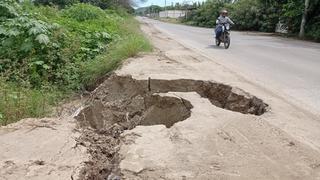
(281, 28)
(172, 14)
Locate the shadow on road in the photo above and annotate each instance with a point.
(211, 46)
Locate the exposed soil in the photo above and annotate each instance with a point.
(121, 103)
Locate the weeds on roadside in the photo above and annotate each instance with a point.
(130, 43)
(17, 102)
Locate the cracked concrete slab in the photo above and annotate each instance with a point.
(40, 149)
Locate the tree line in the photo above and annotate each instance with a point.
(300, 17)
(103, 4)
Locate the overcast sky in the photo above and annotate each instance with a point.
(161, 2)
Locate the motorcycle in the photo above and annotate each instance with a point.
(225, 36)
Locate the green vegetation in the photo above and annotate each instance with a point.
(18, 102)
(261, 15)
(60, 3)
(129, 44)
(47, 53)
(103, 4)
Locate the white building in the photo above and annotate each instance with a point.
(172, 14)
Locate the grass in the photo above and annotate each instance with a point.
(17, 102)
(129, 45)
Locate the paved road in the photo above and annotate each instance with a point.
(286, 65)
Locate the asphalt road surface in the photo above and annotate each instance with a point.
(289, 66)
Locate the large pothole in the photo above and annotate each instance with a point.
(147, 109)
(221, 95)
(122, 103)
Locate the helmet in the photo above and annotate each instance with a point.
(225, 12)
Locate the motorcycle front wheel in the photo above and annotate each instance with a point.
(218, 41)
(226, 41)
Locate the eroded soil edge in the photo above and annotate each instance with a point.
(121, 103)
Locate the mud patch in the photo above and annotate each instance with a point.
(121, 103)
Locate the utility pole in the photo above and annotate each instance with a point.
(185, 9)
(151, 9)
(165, 8)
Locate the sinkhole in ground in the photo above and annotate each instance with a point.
(144, 110)
(130, 102)
(121, 103)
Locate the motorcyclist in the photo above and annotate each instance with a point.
(222, 19)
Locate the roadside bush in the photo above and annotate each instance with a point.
(39, 53)
(60, 3)
(206, 14)
(83, 12)
(8, 9)
(30, 49)
(292, 12)
(130, 42)
(246, 14)
(313, 30)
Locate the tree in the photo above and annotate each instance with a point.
(304, 18)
